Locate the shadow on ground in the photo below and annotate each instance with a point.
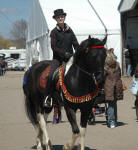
(104, 123)
(60, 147)
(59, 122)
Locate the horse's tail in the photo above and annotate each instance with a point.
(29, 103)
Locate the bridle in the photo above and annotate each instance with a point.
(91, 48)
(94, 47)
(86, 72)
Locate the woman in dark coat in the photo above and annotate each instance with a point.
(113, 89)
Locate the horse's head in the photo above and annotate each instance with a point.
(92, 56)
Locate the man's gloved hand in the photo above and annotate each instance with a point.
(67, 55)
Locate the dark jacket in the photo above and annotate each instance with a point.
(127, 57)
(113, 82)
(62, 42)
(136, 72)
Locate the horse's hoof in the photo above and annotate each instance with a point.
(49, 146)
(67, 147)
(39, 148)
(39, 145)
(79, 147)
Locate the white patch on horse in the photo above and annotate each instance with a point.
(68, 65)
(61, 94)
(43, 129)
(45, 101)
(82, 137)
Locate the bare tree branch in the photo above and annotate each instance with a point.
(19, 32)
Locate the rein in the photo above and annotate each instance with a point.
(92, 75)
(83, 70)
(71, 98)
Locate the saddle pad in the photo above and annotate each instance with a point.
(44, 77)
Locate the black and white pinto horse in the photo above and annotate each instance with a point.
(76, 84)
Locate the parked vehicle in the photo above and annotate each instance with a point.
(15, 58)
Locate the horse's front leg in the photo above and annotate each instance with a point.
(71, 115)
(81, 145)
(42, 124)
(83, 124)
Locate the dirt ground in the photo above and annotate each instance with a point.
(17, 133)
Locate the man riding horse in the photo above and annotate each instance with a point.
(75, 84)
(63, 40)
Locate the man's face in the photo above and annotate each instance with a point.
(60, 19)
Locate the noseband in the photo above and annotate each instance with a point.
(91, 74)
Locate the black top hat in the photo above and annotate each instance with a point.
(58, 12)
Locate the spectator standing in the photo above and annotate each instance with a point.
(111, 51)
(128, 61)
(134, 89)
(113, 88)
(57, 116)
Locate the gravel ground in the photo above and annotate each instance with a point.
(17, 133)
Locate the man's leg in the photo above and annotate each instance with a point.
(54, 65)
(128, 70)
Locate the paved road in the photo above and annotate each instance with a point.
(16, 132)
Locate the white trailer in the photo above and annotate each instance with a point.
(15, 58)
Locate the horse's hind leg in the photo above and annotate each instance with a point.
(39, 138)
(42, 123)
(71, 115)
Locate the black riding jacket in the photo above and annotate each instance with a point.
(62, 42)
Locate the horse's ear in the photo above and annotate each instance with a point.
(104, 40)
(89, 37)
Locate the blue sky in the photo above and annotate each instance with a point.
(12, 11)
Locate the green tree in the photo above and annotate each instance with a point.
(5, 44)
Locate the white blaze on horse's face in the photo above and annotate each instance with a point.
(68, 65)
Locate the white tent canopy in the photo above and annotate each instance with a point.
(127, 5)
(80, 17)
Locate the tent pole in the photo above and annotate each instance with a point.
(98, 16)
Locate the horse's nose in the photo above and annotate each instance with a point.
(100, 78)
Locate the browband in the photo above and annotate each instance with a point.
(93, 47)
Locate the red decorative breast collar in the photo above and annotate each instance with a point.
(72, 98)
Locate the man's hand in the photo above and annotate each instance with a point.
(67, 55)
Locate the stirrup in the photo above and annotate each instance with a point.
(47, 103)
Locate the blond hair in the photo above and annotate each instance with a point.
(34, 61)
(109, 56)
